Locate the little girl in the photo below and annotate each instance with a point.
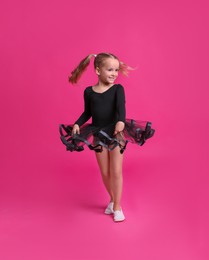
(110, 131)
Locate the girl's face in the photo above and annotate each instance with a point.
(108, 72)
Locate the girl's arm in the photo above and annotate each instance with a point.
(85, 116)
(121, 109)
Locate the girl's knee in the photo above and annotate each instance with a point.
(105, 174)
(116, 174)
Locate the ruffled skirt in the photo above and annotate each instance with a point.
(96, 138)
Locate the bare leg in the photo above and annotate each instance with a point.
(103, 162)
(116, 161)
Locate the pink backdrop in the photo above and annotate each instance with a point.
(52, 201)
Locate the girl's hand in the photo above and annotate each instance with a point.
(119, 127)
(76, 129)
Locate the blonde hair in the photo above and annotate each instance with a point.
(98, 62)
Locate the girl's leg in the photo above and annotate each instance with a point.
(104, 165)
(116, 161)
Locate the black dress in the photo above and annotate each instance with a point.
(106, 109)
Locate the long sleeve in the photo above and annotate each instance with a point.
(85, 116)
(120, 103)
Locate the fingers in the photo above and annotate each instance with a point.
(119, 127)
(116, 132)
(76, 130)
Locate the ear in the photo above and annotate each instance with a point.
(97, 71)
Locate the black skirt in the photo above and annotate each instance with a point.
(96, 138)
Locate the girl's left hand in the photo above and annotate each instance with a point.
(119, 127)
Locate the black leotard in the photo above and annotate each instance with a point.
(104, 108)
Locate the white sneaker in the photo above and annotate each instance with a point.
(109, 209)
(118, 215)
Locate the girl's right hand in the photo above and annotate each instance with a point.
(76, 129)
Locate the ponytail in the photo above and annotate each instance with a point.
(124, 68)
(77, 72)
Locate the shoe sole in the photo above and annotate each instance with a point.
(108, 212)
(119, 220)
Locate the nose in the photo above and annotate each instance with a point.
(115, 73)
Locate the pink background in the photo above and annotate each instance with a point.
(52, 201)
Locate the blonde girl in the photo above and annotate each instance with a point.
(104, 102)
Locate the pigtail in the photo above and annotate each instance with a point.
(77, 72)
(124, 68)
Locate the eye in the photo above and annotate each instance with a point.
(113, 69)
